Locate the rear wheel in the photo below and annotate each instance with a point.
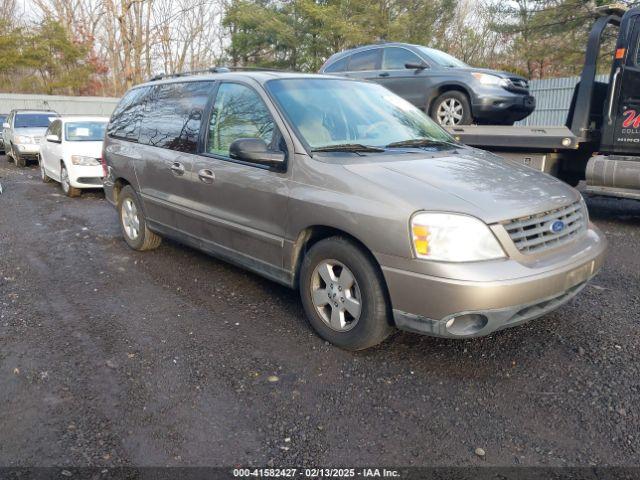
(133, 223)
(65, 183)
(452, 108)
(343, 294)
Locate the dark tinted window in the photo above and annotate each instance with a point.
(338, 65)
(125, 120)
(367, 60)
(173, 115)
(33, 120)
(238, 112)
(394, 58)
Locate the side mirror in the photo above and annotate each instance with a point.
(255, 150)
(415, 66)
(6, 125)
(53, 138)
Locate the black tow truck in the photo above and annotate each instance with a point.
(600, 142)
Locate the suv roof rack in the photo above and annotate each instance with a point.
(162, 76)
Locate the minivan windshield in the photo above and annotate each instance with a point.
(33, 120)
(84, 131)
(332, 112)
(441, 58)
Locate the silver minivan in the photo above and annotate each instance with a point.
(352, 195)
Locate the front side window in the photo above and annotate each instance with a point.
(367, 60)
(338, 65)
(395, 58)
(126, 118)
(33, 120)
(238, 112)
(173, 115)
(56, 128)
(84, 131)
(330, 111)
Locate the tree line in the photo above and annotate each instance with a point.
(102, 47)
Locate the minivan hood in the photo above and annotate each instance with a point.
(469, 181)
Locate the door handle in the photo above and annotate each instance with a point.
(384, 74)
(177, 168)
(206, 176)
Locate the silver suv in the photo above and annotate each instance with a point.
(22, 132)
(347, 192)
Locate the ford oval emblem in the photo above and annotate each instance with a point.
(557, 226)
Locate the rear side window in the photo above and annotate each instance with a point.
(338, 65)
(238, 112)
(367, 60)
(173, 115)
(395, 58)
(125, 120)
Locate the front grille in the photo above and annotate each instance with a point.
(37, 139)
(518, 85)
(534, 233)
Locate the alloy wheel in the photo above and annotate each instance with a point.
(450, 112)
(64, 180)
(335, 295)
(130, 220)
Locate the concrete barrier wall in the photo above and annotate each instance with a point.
(62, 104)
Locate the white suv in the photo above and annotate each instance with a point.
(22, 132)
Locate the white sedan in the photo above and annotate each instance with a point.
(71, 151)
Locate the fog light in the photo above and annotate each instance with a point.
(566, 142)
(467, 324)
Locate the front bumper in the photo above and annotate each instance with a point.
(86, 176)
(28, 150)
(447, 307)
(502, 108)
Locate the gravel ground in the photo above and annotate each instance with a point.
(113, 357)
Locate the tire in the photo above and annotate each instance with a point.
(19, 161)
(43, 175)
(372, 325)
(66, 186)
(145, 239)
(449, 104)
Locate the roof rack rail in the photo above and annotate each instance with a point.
(220, 69)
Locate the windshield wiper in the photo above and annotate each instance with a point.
(420, 142)
(348, 147)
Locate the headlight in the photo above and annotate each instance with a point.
(494, 80)
(450, 237)
(585, 210)
(22, 139)
(82, 160)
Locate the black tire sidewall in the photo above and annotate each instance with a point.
(128, 192)
(373, 325)
(467, 118)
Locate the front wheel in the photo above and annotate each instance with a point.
(452, 108)
(65, 182)
(20, 161)
(133, 223)
(344, 295)
(43, 174)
